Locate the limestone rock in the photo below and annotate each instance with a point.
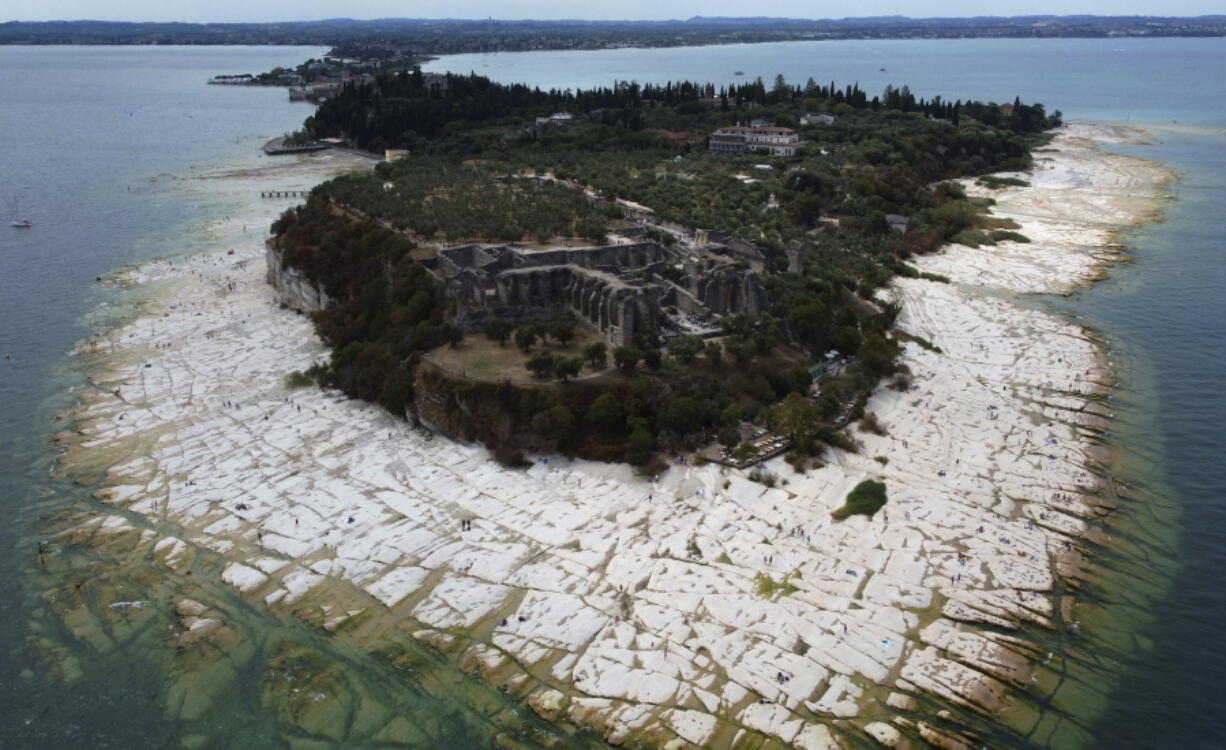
(198, 628)
(887, 736)
(902, 702)
(939, 738)
(548, 704)
(189, 608)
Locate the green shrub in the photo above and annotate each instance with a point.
(866, 499)
(1003, 235)
(298, 379)
(972, 238)
(996, 183)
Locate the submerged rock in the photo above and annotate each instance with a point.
(547, 703)
(189, 608)
(198, 628)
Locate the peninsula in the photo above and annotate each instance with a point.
(701, 609)
(701, 282)
(633, 297)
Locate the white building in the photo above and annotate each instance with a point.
(818, 119)
(763, 140)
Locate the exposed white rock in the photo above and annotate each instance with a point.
(585, 573)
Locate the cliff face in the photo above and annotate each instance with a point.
(294, 290)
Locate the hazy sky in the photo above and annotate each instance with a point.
(295, 10)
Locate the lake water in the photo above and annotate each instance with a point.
(97, 139)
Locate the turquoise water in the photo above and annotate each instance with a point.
(95, 139)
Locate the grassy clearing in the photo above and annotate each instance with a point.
(768, 587)
(481, 358)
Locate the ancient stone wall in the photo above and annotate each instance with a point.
(617, 290)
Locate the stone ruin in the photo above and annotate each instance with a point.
(617, 290)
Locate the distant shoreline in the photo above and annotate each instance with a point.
(458, 36)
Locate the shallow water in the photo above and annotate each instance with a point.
(103, 151)
(99, 139)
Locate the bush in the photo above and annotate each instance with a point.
(626, 358)
(596, 354)
(870, 423)
(606, 412)
(1003, 235)
(996, 183)
(640, 446)
(542, 364)
(298, 379)
(567, 367)
(866, 499)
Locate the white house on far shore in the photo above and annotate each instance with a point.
(818, 119)
(760, 139)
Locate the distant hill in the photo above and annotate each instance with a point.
(449, 36)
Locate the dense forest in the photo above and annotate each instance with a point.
(869, 189)
(409, 110)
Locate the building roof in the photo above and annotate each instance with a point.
(763, 129)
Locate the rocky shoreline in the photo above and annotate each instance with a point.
(701, 610)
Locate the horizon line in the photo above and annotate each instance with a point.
(491, 19)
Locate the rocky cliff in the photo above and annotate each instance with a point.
(294, 290)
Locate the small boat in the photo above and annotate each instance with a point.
(20, 223)
(739, 73)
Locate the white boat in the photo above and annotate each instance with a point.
(20, 223)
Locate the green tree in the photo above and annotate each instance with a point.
(397, 391)
(877, 355)
(567, 367)
(499, 329)
(796, 416)
(541, 364)
(731, 415)
(741, 349)
(652, 358)
(682, 415)
(805, 210)
(745, 451)
(714, 352)
(556, 423)
(626, 358)
(525, 337)
(729, 437)
(563, 329)
(640, 446)
(685, 348)
(606, 412)
(596, 354)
